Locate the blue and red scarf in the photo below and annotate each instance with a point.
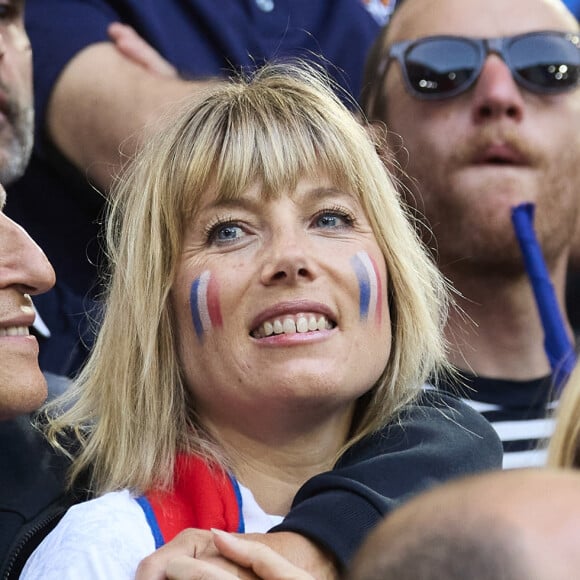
(202, 497)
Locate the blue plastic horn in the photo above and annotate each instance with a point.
(559, 348)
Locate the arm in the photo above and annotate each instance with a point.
(90, 117)
(90, 98)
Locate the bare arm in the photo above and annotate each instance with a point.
(101, 102)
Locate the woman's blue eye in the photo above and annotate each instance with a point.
(228, 232)
(332, 220)
(224, 232)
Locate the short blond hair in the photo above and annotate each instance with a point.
(132, 411)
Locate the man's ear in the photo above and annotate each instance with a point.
(384, 141)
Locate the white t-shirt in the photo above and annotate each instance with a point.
(107, 537)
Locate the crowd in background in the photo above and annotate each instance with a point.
(283, 230)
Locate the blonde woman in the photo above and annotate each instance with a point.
(271, 315)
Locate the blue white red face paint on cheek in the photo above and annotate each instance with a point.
(370, 286)
(204, 304)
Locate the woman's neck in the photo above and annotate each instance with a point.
(274, 478)
(275, 467)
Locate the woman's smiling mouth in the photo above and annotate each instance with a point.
(292, 324)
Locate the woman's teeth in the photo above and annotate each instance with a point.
(300, 323)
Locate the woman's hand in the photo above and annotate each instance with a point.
(256, 559)
(222, 556)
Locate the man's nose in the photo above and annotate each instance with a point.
(496, 94)
(22, 263)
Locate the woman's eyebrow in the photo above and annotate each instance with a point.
(246, 203)
(327, 192)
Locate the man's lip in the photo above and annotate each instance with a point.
(498, 154)
(292, 307)
(17, 321)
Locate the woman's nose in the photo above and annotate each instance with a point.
(288, 260)
(22, 263)
(496, 94)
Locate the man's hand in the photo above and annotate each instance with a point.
(133, 47)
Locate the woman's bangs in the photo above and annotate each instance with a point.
(278, 158)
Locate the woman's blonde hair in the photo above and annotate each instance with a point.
(564, 446)
(131, 411)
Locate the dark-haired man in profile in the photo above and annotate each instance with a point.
(31, 477)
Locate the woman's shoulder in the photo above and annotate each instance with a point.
(117, 507)
(437, 429)
(448, 413)
(105, 537)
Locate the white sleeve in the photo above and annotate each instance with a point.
(101, 539)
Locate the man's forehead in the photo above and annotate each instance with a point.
(478, 18)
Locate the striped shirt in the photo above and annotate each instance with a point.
(519, 411)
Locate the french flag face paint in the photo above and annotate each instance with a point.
(370, 286)
(205, 308)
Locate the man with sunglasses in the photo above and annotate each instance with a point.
(482, 109)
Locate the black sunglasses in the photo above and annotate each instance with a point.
(439, 67)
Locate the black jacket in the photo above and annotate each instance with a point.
(32, 496)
